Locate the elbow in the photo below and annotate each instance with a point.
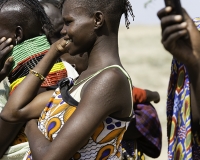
(11, 116)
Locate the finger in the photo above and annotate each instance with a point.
(173, 28)
(171, 40)
(62, 45)
(170, 20)
(6, 68)
(2, 39)
(5, 43)
(5, 52)
(164, 12)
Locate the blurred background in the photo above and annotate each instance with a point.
(143, 55)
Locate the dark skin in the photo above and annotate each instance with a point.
(96, 106)
(181, 38)
(9, 131)
(5, 61)
(80, 62)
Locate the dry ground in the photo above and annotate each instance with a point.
(145, 59)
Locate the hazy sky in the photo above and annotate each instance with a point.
(148, 15)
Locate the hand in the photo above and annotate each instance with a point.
(180, 37)
(61, 45)
(5, 63)
(152, 96)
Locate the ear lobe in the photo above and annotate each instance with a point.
(19, 34)
(98, 19)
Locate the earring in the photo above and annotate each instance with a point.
(16, 42)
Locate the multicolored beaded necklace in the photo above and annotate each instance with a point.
(27, 55)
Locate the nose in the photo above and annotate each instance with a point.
(63, 31)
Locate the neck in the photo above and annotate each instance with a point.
(104, 53)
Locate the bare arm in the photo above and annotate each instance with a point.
(31, 111)
(8, 133)
(182, 39)
(81, 125)
(18, 107)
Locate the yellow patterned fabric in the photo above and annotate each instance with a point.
(104, 144)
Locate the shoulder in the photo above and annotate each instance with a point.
(110, 88)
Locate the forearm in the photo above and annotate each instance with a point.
(37, 141)
(8, 133)
(28, 89)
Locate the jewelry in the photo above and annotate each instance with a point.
(41, 77)
(16, 42)
(85, 79)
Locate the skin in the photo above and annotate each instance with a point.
(95, 107)
(6, 63)
(11, 34)
(80, 62)
(181, 38)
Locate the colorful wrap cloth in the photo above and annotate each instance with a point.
(27, 55)
(182, 143)
(197, 22)
(148, 124)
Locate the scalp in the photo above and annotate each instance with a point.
(28, 14)
(112, 8)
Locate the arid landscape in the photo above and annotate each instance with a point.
(147, 62)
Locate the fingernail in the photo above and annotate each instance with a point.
(168, 8)
(178, 17)
(184, 24)
(11, 46)
(3, 39)
(9, 40)
(10, 59)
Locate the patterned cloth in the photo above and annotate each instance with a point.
(182, 143)
(4, 93)
(27, 55)
(105, 143)
(148, 124)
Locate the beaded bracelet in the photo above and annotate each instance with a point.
(41, 77)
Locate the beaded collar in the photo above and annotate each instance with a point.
(28, 48)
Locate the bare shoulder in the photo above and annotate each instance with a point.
(111, 89)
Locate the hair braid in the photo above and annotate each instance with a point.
(128, 10)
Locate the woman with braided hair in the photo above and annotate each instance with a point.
(99, 108)
(21, 29)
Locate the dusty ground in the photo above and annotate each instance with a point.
(148, 63)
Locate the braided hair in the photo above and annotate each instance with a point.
(128, 9)
(33, 7)
(113, 8)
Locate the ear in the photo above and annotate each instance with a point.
(44, 30)
(99, 19)
(19, 34)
